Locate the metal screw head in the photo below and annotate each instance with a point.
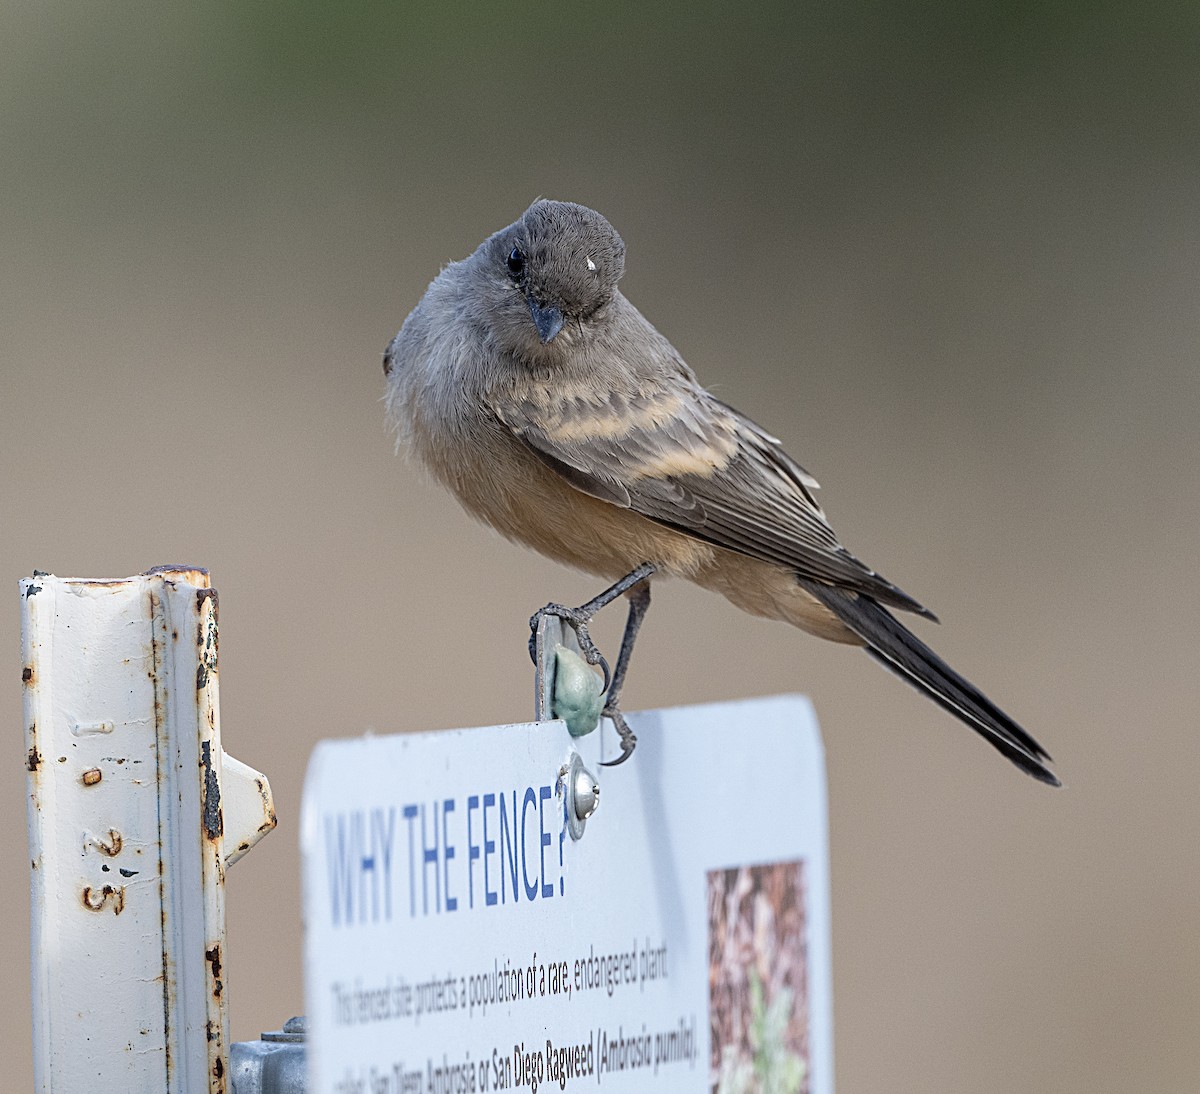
(582, 795)
(587, 793)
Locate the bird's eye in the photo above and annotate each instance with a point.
(515, 263)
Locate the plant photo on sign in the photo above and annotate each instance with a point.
(757, 977)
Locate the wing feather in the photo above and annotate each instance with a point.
(670, 451)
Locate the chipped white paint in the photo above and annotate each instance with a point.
(134, 813)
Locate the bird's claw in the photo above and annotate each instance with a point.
(628, 739)
(578, 622)
(636, 586)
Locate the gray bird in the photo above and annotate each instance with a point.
(528, 385)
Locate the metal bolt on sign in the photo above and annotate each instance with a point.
(582, 795)
(135, 811)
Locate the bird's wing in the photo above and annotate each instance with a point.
(668, 450)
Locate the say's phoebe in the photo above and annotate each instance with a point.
(557, 414)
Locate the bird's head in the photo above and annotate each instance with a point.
(553, 272)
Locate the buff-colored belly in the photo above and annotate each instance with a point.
(536, 507)
(509, 488)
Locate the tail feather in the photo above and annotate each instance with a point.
(893, 645)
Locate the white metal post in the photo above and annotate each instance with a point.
(134, 813)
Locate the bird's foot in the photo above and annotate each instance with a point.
(577, 619)
(628, 740)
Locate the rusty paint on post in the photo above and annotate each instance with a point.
(109, 896)
(211, 810)
(150, 697)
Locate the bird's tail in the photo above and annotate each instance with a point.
(890, 643)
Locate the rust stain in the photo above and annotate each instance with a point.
(27, 674)
(156, 661)
(206, 637)
(264, 792)
(173, 570)
(213, 957)
(96, 900)
(168, 987)
(211, 815)
(91, 776)
(34, 759)
(110, 847)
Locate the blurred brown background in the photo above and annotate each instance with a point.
(950, 253)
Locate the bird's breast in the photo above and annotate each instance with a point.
(502, 482)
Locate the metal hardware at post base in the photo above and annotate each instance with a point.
(275, 1064)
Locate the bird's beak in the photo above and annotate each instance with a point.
(548, 320)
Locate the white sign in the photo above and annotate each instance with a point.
(459, 940)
